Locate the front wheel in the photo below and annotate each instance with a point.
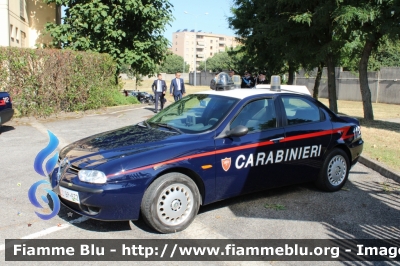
(334, 172)
(171, 203)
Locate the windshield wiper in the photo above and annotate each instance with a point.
(167, 126)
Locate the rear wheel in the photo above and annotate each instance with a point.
(171, 203)
(334, 172)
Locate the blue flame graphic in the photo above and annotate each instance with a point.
(35, 202)
(51, 163)
(41, 156)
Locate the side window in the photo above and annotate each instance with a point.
(300, 111)
(257, 115)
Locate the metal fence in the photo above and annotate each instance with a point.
(384, 84)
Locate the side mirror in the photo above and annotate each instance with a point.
(237, 131)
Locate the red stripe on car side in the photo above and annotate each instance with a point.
(244, 147)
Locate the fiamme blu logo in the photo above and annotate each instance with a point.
(44, 171)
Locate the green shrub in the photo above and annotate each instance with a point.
(46, 81)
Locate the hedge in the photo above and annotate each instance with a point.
(46, 81)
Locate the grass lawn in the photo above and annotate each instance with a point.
(382, 136)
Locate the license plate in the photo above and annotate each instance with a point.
(69, 195)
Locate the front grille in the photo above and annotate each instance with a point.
(81, 207)
(72, 168)
(72, 205)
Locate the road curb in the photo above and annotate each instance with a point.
(380, 168)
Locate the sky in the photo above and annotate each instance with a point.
(215, 22)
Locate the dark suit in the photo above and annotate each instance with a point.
(174, 89)
(262, 81)
(247, 82)
(159, 95)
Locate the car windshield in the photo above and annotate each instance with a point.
(194, 113)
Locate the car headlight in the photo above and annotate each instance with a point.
(92, 176)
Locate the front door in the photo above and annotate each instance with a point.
(251, 162)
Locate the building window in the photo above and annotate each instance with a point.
(211, 41)
(210, 47)
(23, 37)
(12, 33)
(210, 54)
(176, 49)
(22, 8)
(16, 35)
(176, 36)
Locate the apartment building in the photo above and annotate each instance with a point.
(22, 22)
(199, 45)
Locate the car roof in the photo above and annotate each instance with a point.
(261, 89)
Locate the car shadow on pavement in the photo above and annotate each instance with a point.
(90, 224)
(99, 226)
(364, 208)
(361, 209)
(4, 128)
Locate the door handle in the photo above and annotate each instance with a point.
(276, 140)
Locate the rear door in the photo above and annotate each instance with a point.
(307, 135)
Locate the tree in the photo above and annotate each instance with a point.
(387, 54)
(132, 75)
(219, 62)
(130, 31)
(173, 63)
(280, 36)
(230, 59)
(320, 30)
(371, 21)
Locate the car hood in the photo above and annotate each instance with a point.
(114, 144)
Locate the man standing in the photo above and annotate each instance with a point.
(261, 79)
(247, 81)
(231, 74)
(177, 87)
(159, 87)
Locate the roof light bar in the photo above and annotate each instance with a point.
(275, 83)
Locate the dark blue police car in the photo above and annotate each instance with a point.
(6, 110)
(207, 147)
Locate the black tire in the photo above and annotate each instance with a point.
(171, 203)
(334, 171)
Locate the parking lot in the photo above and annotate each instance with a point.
(367, 207)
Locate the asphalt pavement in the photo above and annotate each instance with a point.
(367, 207)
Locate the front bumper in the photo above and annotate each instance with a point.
(109, 202)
